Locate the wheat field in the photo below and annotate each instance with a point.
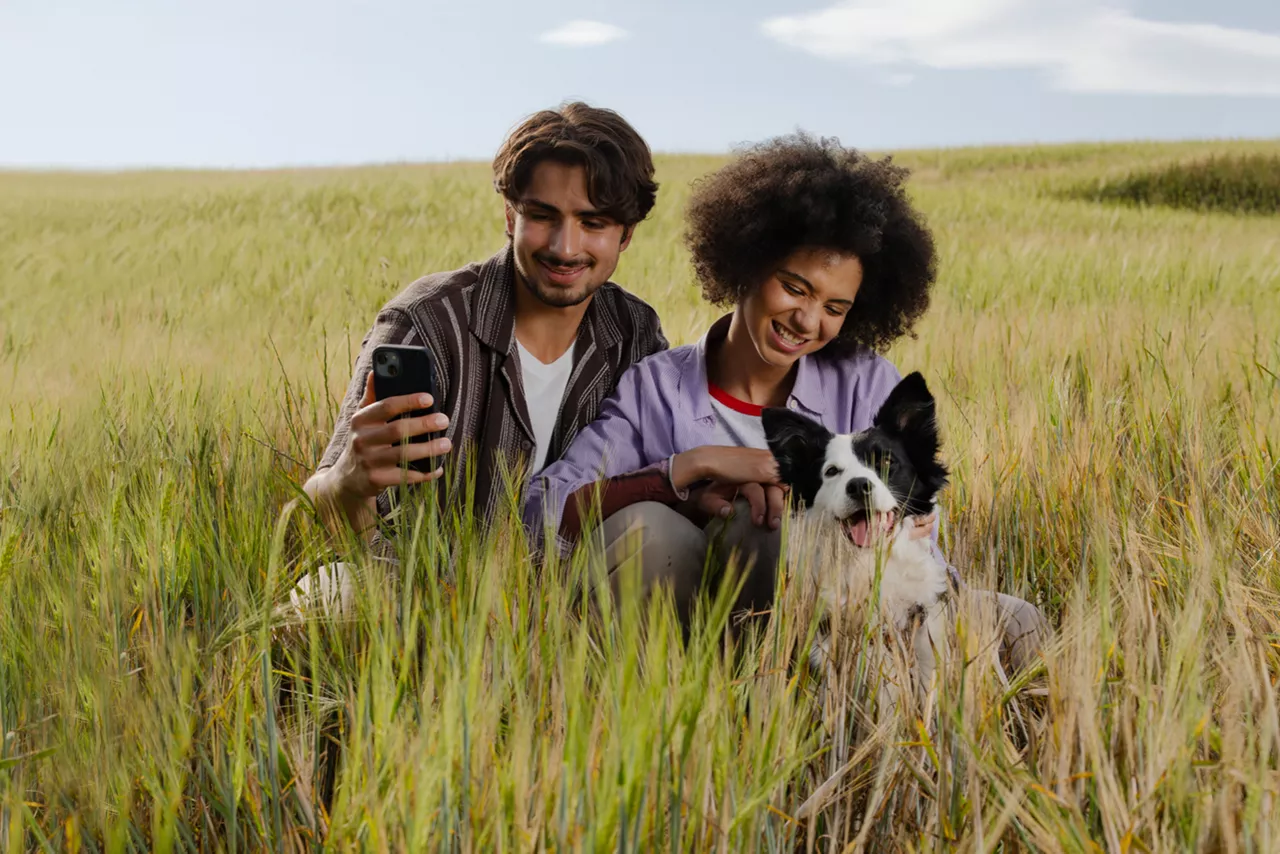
(173, 347)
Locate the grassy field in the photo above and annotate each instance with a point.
(172, 349)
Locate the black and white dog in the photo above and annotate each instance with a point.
(858, 491)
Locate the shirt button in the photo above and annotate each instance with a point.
(791, 404)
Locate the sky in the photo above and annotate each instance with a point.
(266, 83)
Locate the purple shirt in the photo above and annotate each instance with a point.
(661, 407)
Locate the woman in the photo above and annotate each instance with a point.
(824, 261)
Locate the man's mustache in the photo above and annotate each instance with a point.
(553, 261)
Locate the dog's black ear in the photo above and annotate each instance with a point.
(799, 444)
(910, 414)
(909, 410)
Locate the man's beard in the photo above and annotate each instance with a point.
(559, 297)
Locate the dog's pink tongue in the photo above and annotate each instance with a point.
(860, 532)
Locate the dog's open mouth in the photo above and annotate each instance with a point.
(863, 526)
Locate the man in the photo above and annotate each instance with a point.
(539, 320)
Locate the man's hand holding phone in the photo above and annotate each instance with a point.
(376, 447)
(395, 437)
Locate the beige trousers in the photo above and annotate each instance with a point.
(666, 548)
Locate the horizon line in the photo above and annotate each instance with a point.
(120, 169)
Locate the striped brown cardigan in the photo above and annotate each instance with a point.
(466, 318)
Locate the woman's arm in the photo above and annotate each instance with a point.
(668, 481)
(652, 483)
(611, 445)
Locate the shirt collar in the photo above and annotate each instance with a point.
(493, 313)
(694, 396)
(808, 388)
(807, 391)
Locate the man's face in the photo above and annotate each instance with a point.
(565, 249)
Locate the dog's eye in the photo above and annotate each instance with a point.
(832, 471)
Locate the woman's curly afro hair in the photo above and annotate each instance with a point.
(796, 191)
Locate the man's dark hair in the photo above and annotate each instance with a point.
(797, 191)
(617, 161)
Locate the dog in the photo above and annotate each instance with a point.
(858, 494)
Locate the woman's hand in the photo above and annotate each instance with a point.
(766, 503)
(920, 527)
(749, 473)
(728, 465)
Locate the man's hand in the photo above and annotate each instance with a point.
(373, 458)
(371, 461)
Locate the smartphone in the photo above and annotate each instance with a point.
(399, 369)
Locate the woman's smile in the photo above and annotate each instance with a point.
(786, 340)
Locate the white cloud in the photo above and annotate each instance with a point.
(583, 34)
(1083, 45)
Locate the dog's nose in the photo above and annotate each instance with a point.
(859, 487)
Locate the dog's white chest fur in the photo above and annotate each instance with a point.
(912, 580)
(911, 602)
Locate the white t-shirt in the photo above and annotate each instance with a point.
(543, 391)
(738, 422)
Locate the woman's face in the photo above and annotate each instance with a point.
(801, 305)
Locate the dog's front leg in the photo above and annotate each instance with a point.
(930, 642)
